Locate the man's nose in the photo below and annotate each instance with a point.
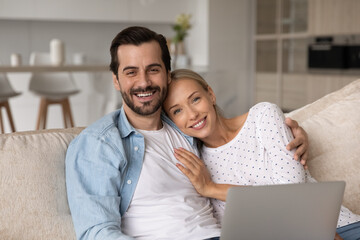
(143, 80)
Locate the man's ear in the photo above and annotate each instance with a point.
(169, 78)
(116, 82)
(212, 95)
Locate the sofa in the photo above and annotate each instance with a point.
(33, 202)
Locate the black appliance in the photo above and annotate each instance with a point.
(353, 56)
(325, 54)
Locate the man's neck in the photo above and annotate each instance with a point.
(148, 122)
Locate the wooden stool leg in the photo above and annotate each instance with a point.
(68, 112)
(41, 122)
(8, 111)
(65, 113)
(1, 121)
(44, 117)
(41, 107)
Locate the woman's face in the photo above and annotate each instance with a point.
(191, 107)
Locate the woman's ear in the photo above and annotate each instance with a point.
(212, 95)
(116, 82)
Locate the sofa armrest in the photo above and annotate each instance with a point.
(33, 198)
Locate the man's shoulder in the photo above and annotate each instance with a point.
(104, 124)
(105, 129)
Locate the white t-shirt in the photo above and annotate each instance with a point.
(258, 156)
(165, 205)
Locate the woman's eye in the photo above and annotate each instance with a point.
(196, 99)
(176, 111)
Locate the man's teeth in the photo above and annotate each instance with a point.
(144, 94)
(199, 124)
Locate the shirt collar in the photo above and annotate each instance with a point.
(126, 128)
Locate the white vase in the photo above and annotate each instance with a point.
(57, 52)
(15, 59)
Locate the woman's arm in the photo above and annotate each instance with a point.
(274, 135)
(195, 169)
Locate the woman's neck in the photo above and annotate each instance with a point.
(225, 131)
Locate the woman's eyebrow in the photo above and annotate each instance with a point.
(190, 96)
(173, 107)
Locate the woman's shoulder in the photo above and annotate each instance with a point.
(264, 108)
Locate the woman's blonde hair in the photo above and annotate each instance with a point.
(186, 73)
(179, 74)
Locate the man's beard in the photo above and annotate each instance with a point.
(144, 110)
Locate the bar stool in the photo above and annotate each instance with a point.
(6, 92)
(53, 88)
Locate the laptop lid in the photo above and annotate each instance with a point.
(283, 212)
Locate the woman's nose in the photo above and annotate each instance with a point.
(193, 114)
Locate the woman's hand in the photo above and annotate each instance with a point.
(300, 142)
(195, 169)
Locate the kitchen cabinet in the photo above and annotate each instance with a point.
(334, 17)
(284, 30)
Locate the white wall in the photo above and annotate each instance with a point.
(230, 55)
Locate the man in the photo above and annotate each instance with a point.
(121, 173)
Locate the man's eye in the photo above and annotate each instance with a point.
(130, 73)
(154, 70)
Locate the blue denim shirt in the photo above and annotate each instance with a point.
(103, 166)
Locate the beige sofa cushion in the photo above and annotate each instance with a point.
(33, 200)
(333, 126)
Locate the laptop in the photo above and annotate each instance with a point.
(283, 212)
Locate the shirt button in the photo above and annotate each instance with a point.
(128, 181)
(136, 148)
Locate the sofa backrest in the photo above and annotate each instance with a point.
(333, 127)
(33, 201)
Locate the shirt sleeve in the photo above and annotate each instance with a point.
(93, 182)
(274, 135)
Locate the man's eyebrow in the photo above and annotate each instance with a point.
(148, 66)
(154, 65)
(129, 67)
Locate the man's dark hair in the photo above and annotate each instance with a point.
(136, 36)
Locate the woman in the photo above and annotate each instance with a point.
(249, 149)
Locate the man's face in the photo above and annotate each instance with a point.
(142, 77)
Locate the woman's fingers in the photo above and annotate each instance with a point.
(189, 159)
(300, 142)
(185, 171)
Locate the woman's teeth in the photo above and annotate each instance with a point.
(199, 124)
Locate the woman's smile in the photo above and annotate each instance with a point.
(199, 124)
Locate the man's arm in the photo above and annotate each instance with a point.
(93, 182)
(301, 142)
